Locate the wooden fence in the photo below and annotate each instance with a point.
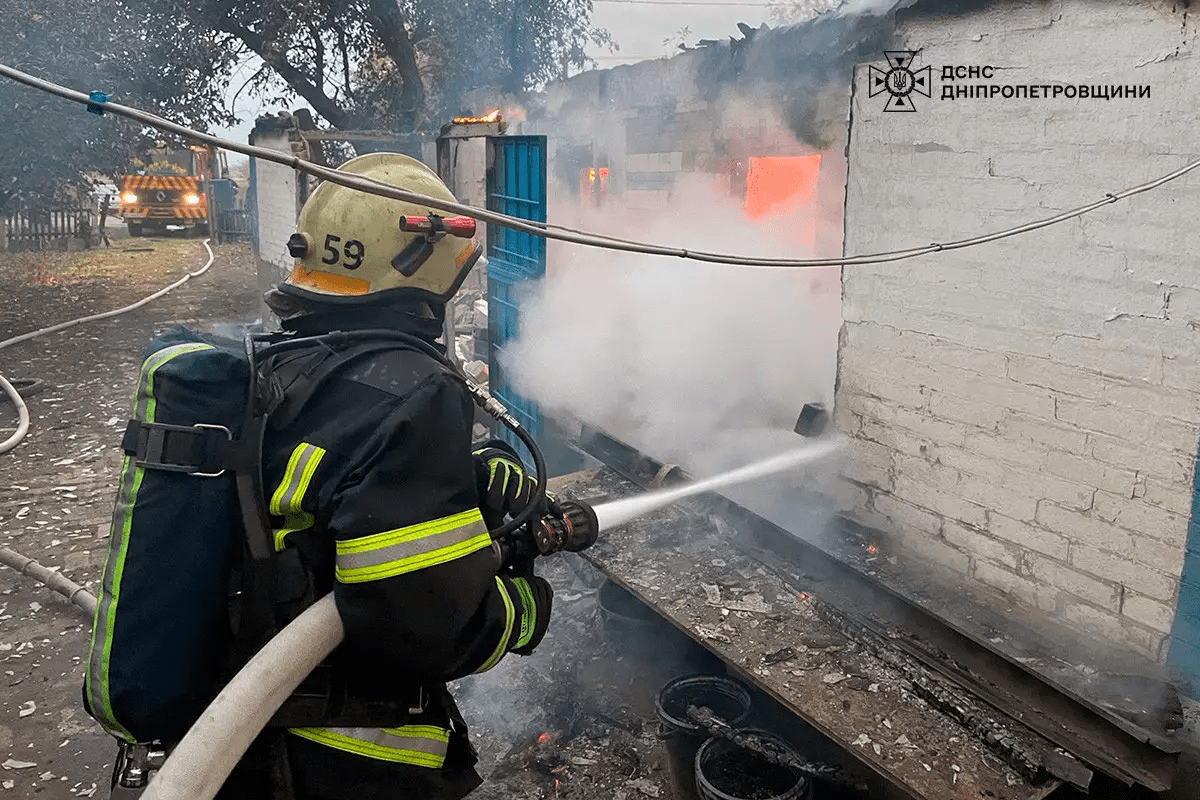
(50, 229)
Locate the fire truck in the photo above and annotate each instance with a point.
(169, 189)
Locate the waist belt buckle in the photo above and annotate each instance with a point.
(419, 708)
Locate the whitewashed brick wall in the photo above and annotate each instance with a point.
(276, 193)
(1026, 411)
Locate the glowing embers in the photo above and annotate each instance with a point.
(785, 187)
(593, 184)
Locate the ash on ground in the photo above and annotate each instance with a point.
(576, 719)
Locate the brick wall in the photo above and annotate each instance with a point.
(1026, 411)
(276, 195)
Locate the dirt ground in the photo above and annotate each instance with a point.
(574, 721)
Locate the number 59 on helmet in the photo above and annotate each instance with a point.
(353, 245)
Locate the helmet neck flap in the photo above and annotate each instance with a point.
(310, 314)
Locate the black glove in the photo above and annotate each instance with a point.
(504, 487)
(537, 599)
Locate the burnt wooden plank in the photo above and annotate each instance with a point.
(935, 619)
(677, 563)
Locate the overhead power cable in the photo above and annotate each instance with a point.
(558, 232)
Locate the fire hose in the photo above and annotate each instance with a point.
(207, 754)
(15, 397)
(51, 578)
(212, 747)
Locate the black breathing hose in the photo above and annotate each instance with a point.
(482, 398)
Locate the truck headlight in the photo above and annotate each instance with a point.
(129, 198)
(192, 199)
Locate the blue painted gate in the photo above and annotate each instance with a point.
(516, 185)
(1184, 653)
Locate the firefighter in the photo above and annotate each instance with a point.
(372, 481)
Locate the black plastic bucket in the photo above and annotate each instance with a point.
(726, 698)
(726, 771)
(625, 616)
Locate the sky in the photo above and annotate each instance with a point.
(638, 27)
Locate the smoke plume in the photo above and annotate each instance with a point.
(674, 357)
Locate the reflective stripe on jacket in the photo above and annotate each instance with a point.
(371, 478)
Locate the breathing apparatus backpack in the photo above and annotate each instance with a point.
(192, 585)
(162, 627)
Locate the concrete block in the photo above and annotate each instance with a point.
(869, 463)
(1103, 594)
(1090, 472)
(970, 412)
(1053, 375)
(1094, 619)
(903, 513)
(1141, 518)
(915, 422)
(1154, 614)
(1031, 483)
(1081, 527)
(1028, 536)
(1022, 590)
(1165, 557)
(1166, 336)
(1181, 371)
(1095, 353)
(985, 493)
(1142, 456)
(1174, 497)
(871, 454)
(944, 502)
(1119, 569)
(979, 544)
(1158, 400)
(872, 384)
(924, 348)
(852, 497)
(893, 437)
(997, 390)
(1045, 433)
(1139, 425)
(917, 546)
(926, 472)
(1003, 448)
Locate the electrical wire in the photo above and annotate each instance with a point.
(22, 409)
(559, 233)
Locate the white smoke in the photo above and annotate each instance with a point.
(679, 357)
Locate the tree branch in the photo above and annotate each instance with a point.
(345, 64)
(300, 83)
(391, 27)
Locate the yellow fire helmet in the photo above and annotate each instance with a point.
(354, 245)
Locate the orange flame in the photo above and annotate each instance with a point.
(872, 549)
(543, 737)
(491, 116)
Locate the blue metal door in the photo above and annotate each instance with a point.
(1184, 653)
(516, 185)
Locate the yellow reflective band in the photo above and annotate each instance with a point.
(528, 612)
(509, 619)
(289, 495)
(419, 745)
(396, 552)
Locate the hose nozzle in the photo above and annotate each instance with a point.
(575, 530)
